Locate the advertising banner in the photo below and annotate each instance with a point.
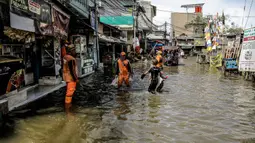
(92, 20)
(43, 23)
(11, 74)
(34, 7)
(20, 7)
(60, 22)
(247, 56)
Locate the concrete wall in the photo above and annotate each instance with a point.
(149, 13)
(179, 21)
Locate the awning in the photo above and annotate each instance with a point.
(110, 39)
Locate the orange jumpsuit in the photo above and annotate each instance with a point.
(123, 71)
(160, 61)
(70, 77)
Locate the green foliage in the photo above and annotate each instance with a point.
(237, 30)
(199, 21)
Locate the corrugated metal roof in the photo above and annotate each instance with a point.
(110, 39)
(91, 3)
(155, 37)
(126, 2)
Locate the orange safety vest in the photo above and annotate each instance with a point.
(160, 61)
(123, 67)
(66, 70)
(63, 51)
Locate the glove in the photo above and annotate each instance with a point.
(143, 75)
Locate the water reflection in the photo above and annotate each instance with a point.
(154, 104)
(122, 99)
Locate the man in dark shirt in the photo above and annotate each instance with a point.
(155, 77)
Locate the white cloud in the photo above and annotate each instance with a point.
(230, 7)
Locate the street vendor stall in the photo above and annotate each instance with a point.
(84, 57)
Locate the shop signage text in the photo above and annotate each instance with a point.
(247, 57)
(34, 7)
(249, 32)
(20, 4)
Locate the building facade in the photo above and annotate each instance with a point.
(189, 39)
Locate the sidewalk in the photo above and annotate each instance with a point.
(21, 98)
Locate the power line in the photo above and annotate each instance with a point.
(248, 14)
(165, 10)
(244, 11)
(204, 14)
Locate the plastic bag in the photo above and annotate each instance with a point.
(115, 81)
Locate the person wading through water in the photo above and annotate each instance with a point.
(156, 73)
(70, 75)
(159, 58)
(124, 70)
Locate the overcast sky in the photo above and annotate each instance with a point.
(230, 7)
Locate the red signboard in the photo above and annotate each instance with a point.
(252, 38)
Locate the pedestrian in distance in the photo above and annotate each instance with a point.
(123, 70)
(157, 78)
(70, 73)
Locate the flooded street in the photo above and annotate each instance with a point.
(198, 105)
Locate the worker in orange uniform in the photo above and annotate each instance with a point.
(159, 58)
(124, 70)
(70, 73)
(63, 49)
(63, 53)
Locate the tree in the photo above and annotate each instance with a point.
(199, 21)
(235, 31)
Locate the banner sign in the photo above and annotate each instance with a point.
(92, 20)
(34, 7)
(247, 57)
(60, 22)
(20, 4)
(20, 7)
(44, 23)
(11, 75)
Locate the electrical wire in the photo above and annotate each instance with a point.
(248, 14)
(113, 5)
(168, 11)
(244, 11)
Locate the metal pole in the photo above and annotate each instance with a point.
(134, 24)
(145, 42)
(96, 40)
(165, 32)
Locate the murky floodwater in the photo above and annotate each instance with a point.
(198, 105)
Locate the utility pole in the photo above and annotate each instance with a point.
(96, 33)
(134, 24)
(165, 32)
(137, 17)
